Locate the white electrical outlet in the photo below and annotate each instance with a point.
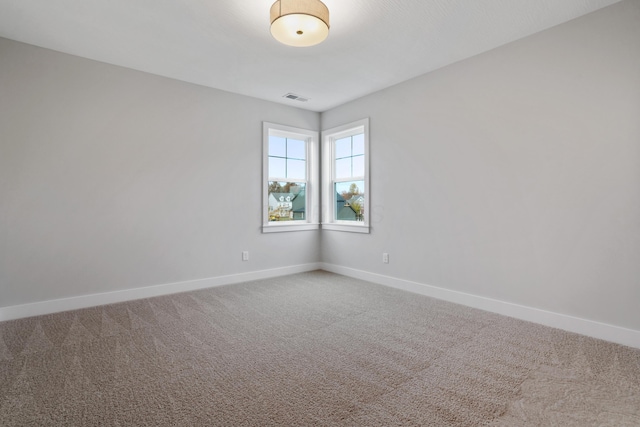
(385, 258)
(245, 255)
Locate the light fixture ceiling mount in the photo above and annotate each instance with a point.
(299, 23)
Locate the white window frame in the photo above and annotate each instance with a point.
(329, 136)
(312, 193)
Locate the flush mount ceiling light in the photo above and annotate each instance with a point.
(299, 23)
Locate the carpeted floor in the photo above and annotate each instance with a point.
(313, 349)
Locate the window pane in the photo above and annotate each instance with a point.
(287, 201)
(350, 188)
(277, 167)
(350, 198)
(277, 146)
(296, 149)
(343, 147)
(343, 168)
(358, 144)
(358, 165)
(296, 169)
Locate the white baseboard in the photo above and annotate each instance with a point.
(617, 334)
(84, 301)
(586, 327)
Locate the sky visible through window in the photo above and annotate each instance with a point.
(287, 158)
(349, 155)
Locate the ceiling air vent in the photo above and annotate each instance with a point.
(295, 97)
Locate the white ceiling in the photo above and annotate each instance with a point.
(226, 44)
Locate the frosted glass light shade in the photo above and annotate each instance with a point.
(299, 23)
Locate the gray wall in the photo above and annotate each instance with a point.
(513, 175)
(113, 179)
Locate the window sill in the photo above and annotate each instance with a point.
(351, 228)
(281, 228)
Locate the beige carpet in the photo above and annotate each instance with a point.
(313, 349)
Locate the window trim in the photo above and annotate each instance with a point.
(311, 221)
(329, 136)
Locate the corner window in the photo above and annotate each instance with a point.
(290, 175)
(346, 177)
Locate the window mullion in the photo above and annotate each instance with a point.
(349, 179)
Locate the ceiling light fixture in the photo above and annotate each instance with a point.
(299, 23)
